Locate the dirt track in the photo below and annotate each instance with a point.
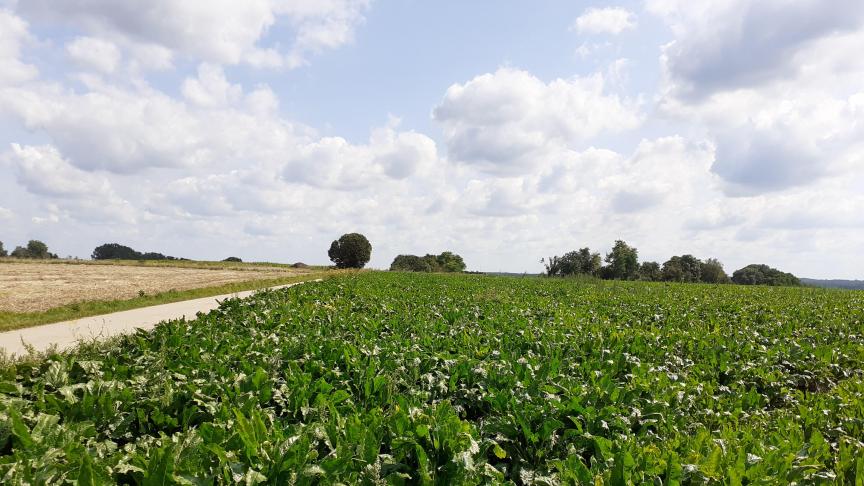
(32, 287)
(63, 335)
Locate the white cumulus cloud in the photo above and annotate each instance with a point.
(13, 34)
(609, 20)
(509, 121)
(774, 83)
(94, 53)
(216, 31)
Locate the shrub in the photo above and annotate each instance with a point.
(2, 250)
(445, 262)
(151, 255)
(410, 263)
(351, 250)
(232, 259)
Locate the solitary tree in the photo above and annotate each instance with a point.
(623, 262)
(2, 250)
(232, 259)
(351, 250)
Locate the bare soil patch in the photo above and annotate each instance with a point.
(35, 287)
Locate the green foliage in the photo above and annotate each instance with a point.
(116, 251)
(685, 268)
(711, 271)
(581, 262)
(388, 378)
(77, 310)
(20, 252)
(35, 249)
(3, 252)
(432, 261)
(410, 263)
(351, 250)
(450, 262)
(445, 262)
(233, 259)
(623, 262)
(764, 275)
(650, 272)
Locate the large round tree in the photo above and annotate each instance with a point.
(351, 250)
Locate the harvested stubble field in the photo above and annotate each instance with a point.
(36, 287)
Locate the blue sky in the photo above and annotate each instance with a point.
(504, 131)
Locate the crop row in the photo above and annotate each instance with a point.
(406, 378)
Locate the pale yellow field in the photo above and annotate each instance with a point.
(33, 287)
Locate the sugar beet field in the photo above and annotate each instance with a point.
(382, 378)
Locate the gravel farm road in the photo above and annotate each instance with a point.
(67, 334)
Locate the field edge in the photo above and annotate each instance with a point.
(10, 321)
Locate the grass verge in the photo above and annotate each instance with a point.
(14, 320)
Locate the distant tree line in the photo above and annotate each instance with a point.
(763, 275)
(35, 249)
(445, 262)
(622, 263)
(116, 251)
(353, 250)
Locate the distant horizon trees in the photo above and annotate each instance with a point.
(116, 251)
(758, 274)
(578, 262)
(446, 262)
(35, 249)
(684, 268)
(622, 263)
(650, 271)
(713, 272)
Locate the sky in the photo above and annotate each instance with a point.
(504, 131)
